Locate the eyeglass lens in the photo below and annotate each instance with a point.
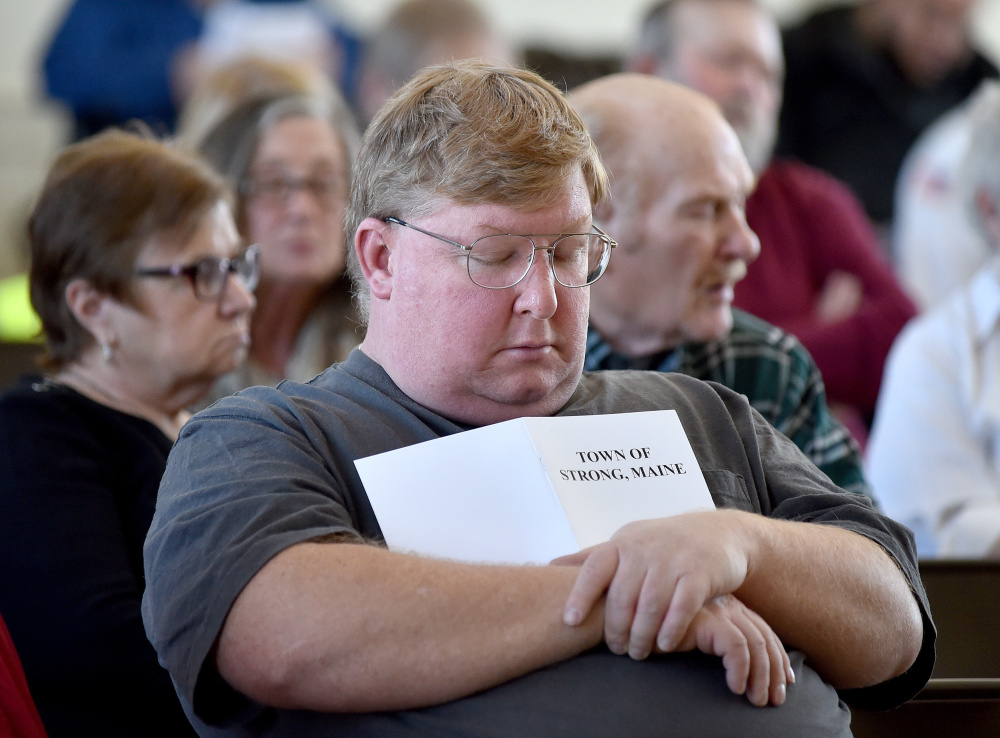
(278, 188)
(503, 260)
(211, 274)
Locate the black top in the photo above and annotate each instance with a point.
(78, 483)
(849, 110)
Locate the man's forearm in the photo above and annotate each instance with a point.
(349, 628)
(837, 597)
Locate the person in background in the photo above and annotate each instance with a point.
(935, 447)
(419, 33)
(936, 247)
(864, 80)
(217, 94)
(289, 160)
(145, 292)
(112, 62)
(665, 302)
(276, 608)
(305, 32)
(820, 275)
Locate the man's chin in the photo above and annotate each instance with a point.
(714, 328)
(537, 395)
(529, 393)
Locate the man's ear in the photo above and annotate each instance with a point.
(371, 247)
(92, 309)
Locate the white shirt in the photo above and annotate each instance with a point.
(935, 247)
(934, 452)
(295, 31)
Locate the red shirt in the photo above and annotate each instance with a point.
(810, 225)
(18, 716)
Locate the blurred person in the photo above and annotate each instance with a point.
(289, 160)
(218, 93)
(145, 295)
(279, 612)
(289, 30)
(863, 82)
(419, 33)
(820, 275)
(112, 62)
(678, 189)
(935, 447)
(305, 32)
(936, 248)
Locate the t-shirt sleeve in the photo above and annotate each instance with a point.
(797, 491)
(245, 481)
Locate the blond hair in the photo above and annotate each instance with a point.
(468, 133)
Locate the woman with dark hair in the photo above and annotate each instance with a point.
(289, 159)
(145, 296)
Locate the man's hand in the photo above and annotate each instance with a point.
(755, 661)
(668, 585)
(658, 574)
(840, 298)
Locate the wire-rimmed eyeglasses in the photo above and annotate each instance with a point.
(210, 275)
(502, 260)
(276, 189)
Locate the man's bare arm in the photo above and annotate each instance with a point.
(836, 596)
(833, 594)
(350, 628)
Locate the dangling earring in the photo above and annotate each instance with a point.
(106, 351)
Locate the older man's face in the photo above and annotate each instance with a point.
(473, 354)
(685, 244)
(731, 52)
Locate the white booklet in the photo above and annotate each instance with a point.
(531, 489)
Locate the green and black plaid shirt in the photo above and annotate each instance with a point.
(778, 377)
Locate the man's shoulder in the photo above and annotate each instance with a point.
(766, 364)
(794, 181)
(345, 379)
(749, 328)
(753, 341)
(629, 390)
(327, 404)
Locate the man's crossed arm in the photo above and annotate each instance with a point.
(351, 628)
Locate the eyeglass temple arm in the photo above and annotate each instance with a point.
(398, 221)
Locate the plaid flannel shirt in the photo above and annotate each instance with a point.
(778, 377)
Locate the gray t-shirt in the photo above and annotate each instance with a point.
(269, 468)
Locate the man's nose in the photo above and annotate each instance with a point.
(538, 288)
(739, 240)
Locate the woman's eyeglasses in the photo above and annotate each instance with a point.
(210, 275)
